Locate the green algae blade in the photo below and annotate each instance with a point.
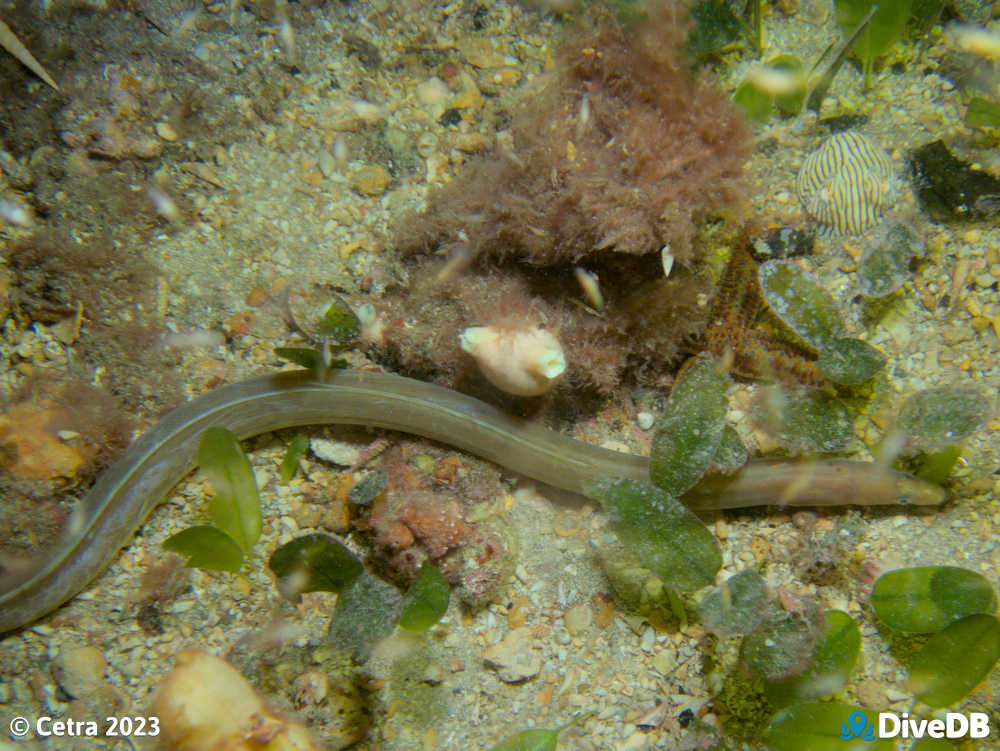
(366, 612)
(803, 420)
(885, 28)
(982, 113)
(925, 599)
(936, 417)
(206, 547)
(936, 466)
(310, 359)
(800, 302)
(691, 427)
(426, 600)
(885, 265)
(235, 508)
(822, 726)
(790, 104)
(665, 536)
(850, 362)
(756, 104)
(732, 454)
(780, 648)
(290, 462)
(737, 606)
(833, 659)
(314, 563)
(530, 740)
(955, 660)
(339, 325)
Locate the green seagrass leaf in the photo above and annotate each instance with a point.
(833, 659)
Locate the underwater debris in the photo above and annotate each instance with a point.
(846, 183)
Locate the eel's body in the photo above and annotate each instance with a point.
(125, 494)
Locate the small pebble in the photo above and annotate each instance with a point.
(257, 297)
(338, 452)
(327, 163)
(605, 610)
(166, 132)
(664, 661)
(371, 180)
(577, 618)
(432, 92)
(644, 420)
(648, 640)
(513, 658)
(79, 671)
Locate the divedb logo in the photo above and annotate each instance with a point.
(954, 725)
(892, 725)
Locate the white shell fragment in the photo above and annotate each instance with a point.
(667, 258)
(846, 183)
(523, 362)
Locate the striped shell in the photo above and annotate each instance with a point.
(845, 183)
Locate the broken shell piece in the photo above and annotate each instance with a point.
(591, 288)
(668, 260)
(204, 704)
(523, 362)
(10, 42)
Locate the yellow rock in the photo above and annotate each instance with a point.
(469, 98)
(472, 143)
(204, 704)
(482, 52)
(166, 131)
(30, 449)
(371, 180)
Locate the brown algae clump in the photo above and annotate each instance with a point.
(563, 226)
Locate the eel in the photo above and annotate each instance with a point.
(123, 496)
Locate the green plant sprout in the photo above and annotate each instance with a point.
(930, 425)
(367, 608)
(290, 462)
(782, 82)
(234, 509)
(955, 605)
(886, 25)
(337, 330)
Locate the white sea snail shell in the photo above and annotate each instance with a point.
(523, 362)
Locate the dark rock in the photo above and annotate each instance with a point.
(950, 190)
